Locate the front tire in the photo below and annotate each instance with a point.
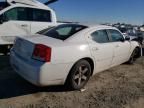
(134, 56)
(79, 75)
(3, 50)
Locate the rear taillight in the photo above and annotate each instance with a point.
(42, 53)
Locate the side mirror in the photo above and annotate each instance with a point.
(127, 38)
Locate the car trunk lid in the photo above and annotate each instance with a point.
(24, 47)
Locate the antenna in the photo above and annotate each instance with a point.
(50, 1)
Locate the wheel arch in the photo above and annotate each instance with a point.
(89, 60)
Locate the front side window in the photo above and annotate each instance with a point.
(17, 14)
(116, 35)
(41, 15)
(11, 14)
(100, 36)
(64, 31)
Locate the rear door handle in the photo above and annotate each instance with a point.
(95, 48)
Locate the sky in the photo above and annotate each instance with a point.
(99, 11)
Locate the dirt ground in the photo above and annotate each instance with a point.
(118, 87)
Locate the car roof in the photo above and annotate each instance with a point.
(30, 3)
(101, 26)
(92, 26)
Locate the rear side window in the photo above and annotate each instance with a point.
(41, 15)
(116, 35)
(28, 14)
(100, 36)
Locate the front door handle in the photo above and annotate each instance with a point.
(24, 25)
(117, 46)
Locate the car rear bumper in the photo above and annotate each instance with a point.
(43, 74)
(25, 70)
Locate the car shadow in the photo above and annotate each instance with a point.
(12, 85)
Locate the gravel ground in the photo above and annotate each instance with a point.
(118, 87)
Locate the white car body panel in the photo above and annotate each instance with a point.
(102, 53)
(11, 29)
(37, 26)
(65, 54)
(121, 52)
(40, 77)
(32, 3)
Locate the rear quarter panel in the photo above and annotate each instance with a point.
(70, 53)
(64, 57)
(72, 49)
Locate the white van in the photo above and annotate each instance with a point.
(23, 17)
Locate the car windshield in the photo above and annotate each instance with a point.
(3, 5)
(63, 32)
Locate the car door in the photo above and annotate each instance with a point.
(18, 16)
(42, 19)
(121, 47)
(101, 49)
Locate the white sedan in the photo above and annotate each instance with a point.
(70, 54)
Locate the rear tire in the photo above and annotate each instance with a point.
(79, 75)
(5, 49)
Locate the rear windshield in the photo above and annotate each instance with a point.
(63, 32)
(44, 30)
(3, 5)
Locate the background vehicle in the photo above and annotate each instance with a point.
(134, 34)
(22, 17)
(70, 54)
